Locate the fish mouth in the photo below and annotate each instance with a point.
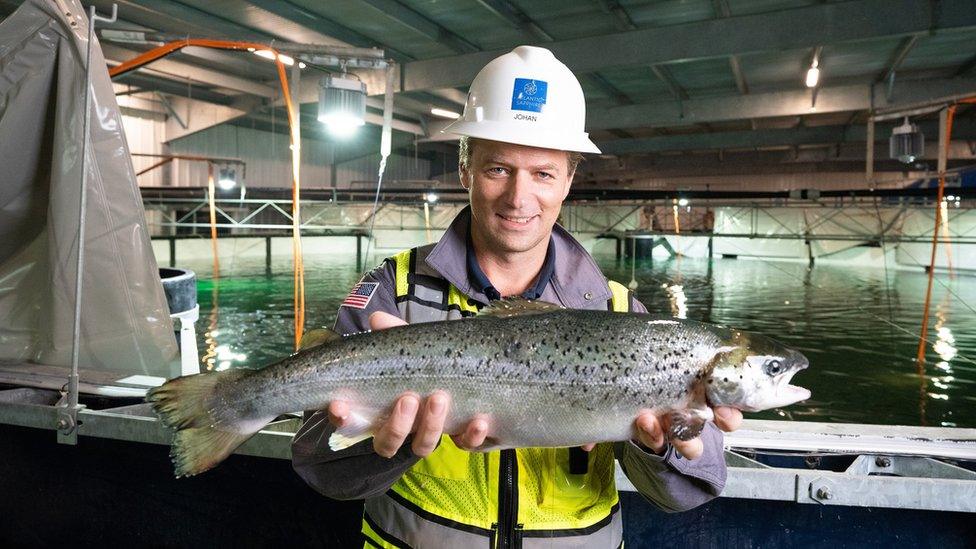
(786, 393)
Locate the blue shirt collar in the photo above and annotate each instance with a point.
(483, 285)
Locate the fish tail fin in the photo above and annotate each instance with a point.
(198, 449)
(183, 402)
(186, 404)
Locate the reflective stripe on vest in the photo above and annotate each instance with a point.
(450, 498)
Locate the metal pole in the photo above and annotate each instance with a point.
(945, 133)
(67, 420)
(869, 157)
(267, 256)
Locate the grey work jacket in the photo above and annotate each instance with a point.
(670, 481)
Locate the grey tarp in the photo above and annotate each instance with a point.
(125, 324)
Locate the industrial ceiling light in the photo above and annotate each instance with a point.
(813, 75)
(906, 143)
(227, 178)
(444, 113)
(682, 202)
(430, 197)
(342, 104)
(269, 55)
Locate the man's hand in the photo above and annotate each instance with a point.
(651, 431)
(424, 418)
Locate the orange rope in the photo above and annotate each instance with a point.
(920, 356)
(213, 221)
(166, 49)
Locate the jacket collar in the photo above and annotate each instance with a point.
(576, 278)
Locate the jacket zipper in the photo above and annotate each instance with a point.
(508, 501)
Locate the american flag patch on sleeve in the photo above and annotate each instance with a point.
(360, 295)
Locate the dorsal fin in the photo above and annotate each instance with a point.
(316, 337)
(517, 306)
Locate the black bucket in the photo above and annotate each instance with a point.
(180, 286)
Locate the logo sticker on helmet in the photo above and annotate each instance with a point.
(529, 95)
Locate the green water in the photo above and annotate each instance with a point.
(858, 326)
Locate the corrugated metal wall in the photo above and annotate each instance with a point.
(267, 156)
(145, 136)
(269, 162)
(398, 168)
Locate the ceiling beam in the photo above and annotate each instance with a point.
(754, 139)
(181, 19)
(775, 104)
(664, 74)
(421, 24)
(516, 17)
(180, 71)
(966, 67)
(722, 9)
(318, 23)
(900, 54)
(776, 31)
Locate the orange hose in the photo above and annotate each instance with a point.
(213, 220)
(920, 356)
(166, 49)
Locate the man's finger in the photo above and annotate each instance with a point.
(690, 449)
(728, 419)
(588, 447)
(431, 425)
(649, 431)
(338, 411)
(474, 435)
(381, 321)
(394, 431)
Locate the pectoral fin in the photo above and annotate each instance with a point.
(517, 306)
(688, 423)
(356, 429)
(316, 337)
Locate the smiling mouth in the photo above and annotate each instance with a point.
(521, 220)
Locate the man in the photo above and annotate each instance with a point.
(522, 132)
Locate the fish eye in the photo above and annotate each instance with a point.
(773, 367)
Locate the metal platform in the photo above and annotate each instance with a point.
(922, 468)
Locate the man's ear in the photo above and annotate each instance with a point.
(463, 175)
(569, 184)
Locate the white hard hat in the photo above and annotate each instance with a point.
(526, 97)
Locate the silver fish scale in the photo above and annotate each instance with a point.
(554, 379)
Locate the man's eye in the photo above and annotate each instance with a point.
(545, 175)
(496, 171)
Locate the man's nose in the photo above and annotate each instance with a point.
(518, 190)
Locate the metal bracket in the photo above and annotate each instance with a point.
(171, 110)
(67, 425)
(822, 490)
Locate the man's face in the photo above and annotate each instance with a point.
(516, 193)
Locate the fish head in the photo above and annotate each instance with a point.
(753, 373)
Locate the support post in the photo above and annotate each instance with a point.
(267, 256)
(869, 158)
(172, 251)
(945, 133)
(359, 252)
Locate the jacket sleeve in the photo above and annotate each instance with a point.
(356, 472)
(671, 481)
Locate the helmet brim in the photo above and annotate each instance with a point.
(528, 136)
